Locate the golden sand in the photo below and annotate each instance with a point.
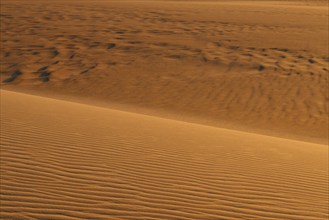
(164, 109)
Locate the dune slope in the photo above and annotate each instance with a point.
(254, 65)
(63, 160)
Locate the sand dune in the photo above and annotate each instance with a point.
(164, 109)
(258, 66)
(62, 160)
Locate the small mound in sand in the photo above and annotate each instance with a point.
(13, 76)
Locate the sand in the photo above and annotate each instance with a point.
(63, 160)
(164, 109)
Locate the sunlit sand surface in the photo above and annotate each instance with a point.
(68, 161)
(164, 109)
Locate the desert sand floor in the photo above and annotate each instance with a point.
(62, 160)
(257, 66)
(164, 109)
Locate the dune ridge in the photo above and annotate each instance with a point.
(63, 160)
(211, 63)
(154, 109)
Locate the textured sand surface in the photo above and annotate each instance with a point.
(164, 109)
(61, 160)
(258, 65)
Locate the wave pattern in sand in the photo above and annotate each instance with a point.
(217, 61)
(62, 160)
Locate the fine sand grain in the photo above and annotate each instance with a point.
(61, 160)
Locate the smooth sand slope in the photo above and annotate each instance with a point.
(258, 66)
(62, 160)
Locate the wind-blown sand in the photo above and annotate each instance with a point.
(255, 66)
(164, 109)
(62, 160)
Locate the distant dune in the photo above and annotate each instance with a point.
(61, 160)
(247, 66)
